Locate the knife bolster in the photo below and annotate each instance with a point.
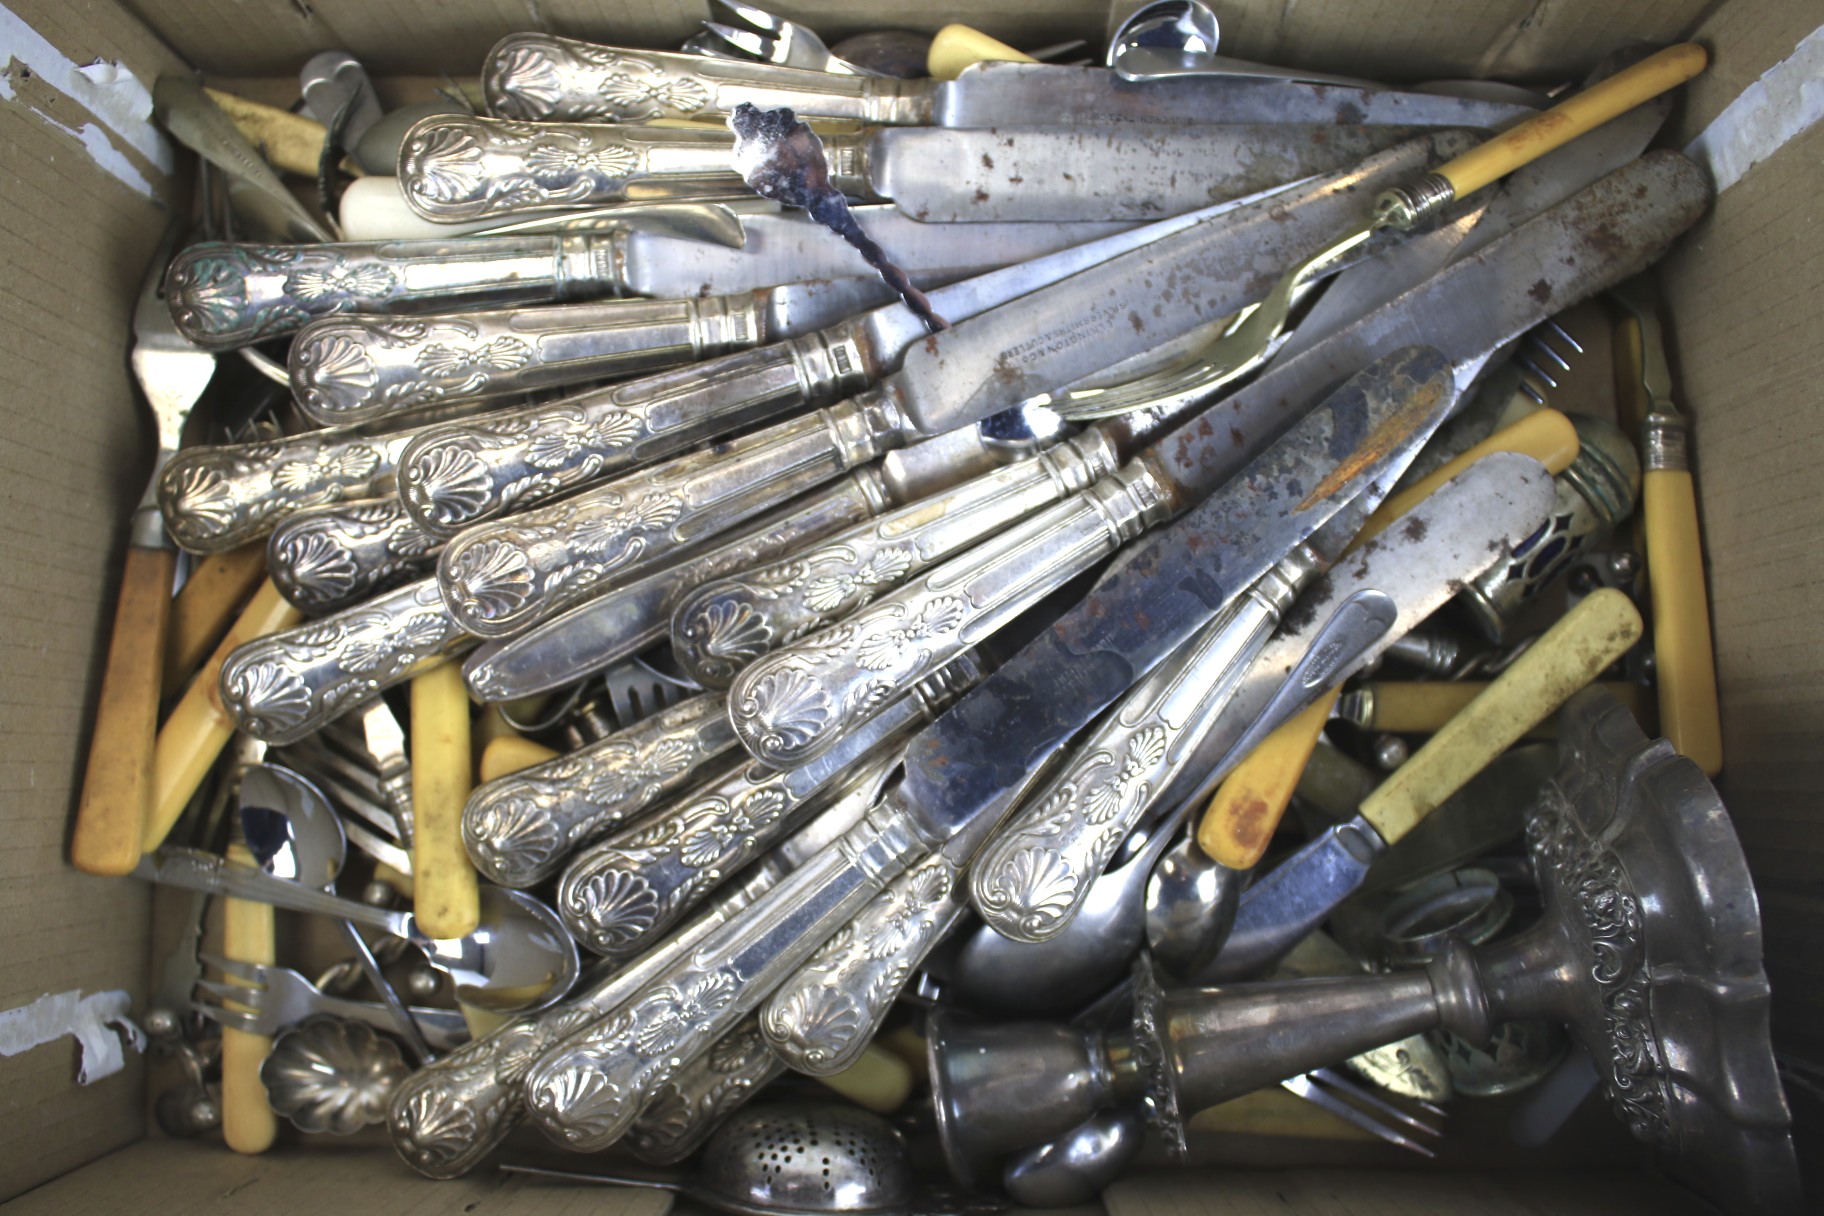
(1666, 444)
(1401, 207)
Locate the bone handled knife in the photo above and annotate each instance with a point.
(544, 78)
(622, 894)
(520, 829)
(445, 1118)
(960, 770)
(456, 168)
(461, 475)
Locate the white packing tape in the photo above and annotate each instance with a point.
(97, 1022)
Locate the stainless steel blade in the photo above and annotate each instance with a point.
(1128, 304)
(939, 175)
(1546, 182)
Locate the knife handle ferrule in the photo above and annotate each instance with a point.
(504, 577)
(346, 370)
(227, 295)
(520, 828)
(286, 685)
(726, 625)
(796, 702)
(546, 79)
(463, 474)
(585, 1093)
(329, 558)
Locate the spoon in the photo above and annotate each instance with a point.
(1190, 903)
(293, 833)
(1079, 1165)
(1075, 966)
(1179, 37)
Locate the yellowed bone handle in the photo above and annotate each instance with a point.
(1422, 707)
(446, 896)
(1545, 435)
(508, 754)
(956, 47)
(1573, 116)
(1247, 807)
(117, 786)
(218, 586)
(290, 142)
(248, 1122)
(1684, 659)
(1568, 656)
(878, 1080)
(198, 727)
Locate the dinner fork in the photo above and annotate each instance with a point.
(275, 997)
(771, 39)
(1360, 1105)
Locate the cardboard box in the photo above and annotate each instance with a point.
(88, 188)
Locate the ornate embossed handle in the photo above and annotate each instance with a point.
(797, 702)
(542, 78)
(629, 890)
(633, 615)
(454, 167)
(328, 558)
(501, 578)
(722, 627)
(685, 1110)
(219, 497)
(820, 1020)
(346, 370)
(586, 1092)
(226, 295)
(462, 474)
(520, 828)
(1031, 879)
(282, 687)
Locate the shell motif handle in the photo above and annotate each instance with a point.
(585, 1093)
(454, 168)
(723, 627)
(282, 687)
(629, 890)
(219, 497)
(226, 295)
(1032, 878)
(330, 558)
(500, 578)
(633, 615)
(686, 1109)
(520, 828)
(821, 1019)
(547, 79)
(463, 473)
(346, 370)
(795, 703)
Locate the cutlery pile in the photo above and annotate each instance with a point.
(850, 676)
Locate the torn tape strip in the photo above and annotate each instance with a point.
(96, 1022)
(1781, 105)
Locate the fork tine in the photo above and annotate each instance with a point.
(1365, 1095)
(253, 973)
(234, 1019)
(1310, 1091)
(223, 991)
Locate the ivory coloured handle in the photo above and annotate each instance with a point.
(956, 47)
(446, 896)
(1247, 808)
(1684, 659)
(248, 1122)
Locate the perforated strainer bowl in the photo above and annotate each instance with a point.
(797, 1159)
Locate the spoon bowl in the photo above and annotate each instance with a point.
(1078, 1166)
(1190, 906)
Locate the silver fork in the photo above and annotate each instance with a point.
(772, 39)
(1543, 357)
(276, 997)
(1358, 1104)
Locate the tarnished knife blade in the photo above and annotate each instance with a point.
(964, 767)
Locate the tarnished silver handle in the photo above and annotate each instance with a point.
(500, 578)
(622, 894)
(446, 1117)
(328, 558)
(795, 703)
(455, 167)
(465, 473)
(346, 370)
(722, 627)
(685, 1110)
(226, 295)
(821, 1019)
(542, 78)
(633, 615)
(586, 1091)
(520, 828)
(219, 497)
(282, 687)
(1030, 880)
